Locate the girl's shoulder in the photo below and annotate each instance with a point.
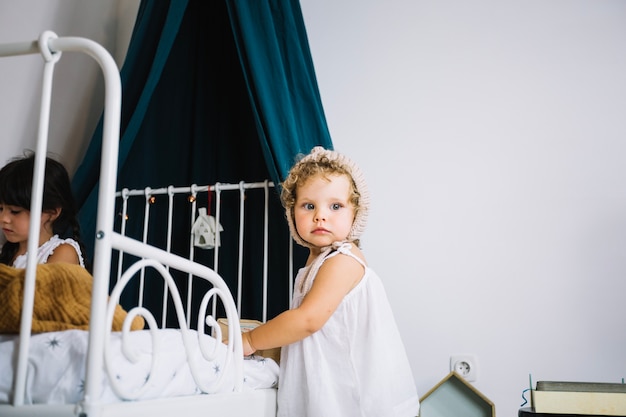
(346, 260)
(352, 252)
(61, 250)
(64, 252)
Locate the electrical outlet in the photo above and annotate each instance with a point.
(466, 366)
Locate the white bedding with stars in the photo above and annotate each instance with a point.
(56, 367)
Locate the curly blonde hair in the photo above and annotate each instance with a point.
(321, 162)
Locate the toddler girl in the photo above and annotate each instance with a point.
(341, 354)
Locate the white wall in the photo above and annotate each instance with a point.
(78, 89)
(493, 136)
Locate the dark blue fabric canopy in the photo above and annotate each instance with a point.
(213, 91)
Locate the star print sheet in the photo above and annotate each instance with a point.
(56, 367)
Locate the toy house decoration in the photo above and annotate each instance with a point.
(453, 396)
(206, 230)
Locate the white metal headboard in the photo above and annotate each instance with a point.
(51, 47)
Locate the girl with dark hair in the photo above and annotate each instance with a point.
(59, 234)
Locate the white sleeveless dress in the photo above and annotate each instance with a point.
(356, 365)
(45, 250)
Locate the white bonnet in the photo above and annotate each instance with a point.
(318, 154)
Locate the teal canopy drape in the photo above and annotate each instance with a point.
(212, 91)
(274, 53)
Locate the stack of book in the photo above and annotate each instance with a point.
(583, 398)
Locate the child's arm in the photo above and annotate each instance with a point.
(64, 253)
(335, 279)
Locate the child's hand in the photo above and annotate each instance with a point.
(248, 348)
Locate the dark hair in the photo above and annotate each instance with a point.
(16, 180)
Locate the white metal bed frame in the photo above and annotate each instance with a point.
(192, 192)
(256, 403)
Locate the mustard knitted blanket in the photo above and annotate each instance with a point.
(62, 299)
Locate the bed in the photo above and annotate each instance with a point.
(105, 351)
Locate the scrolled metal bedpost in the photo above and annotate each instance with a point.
(50, 46)
(26, 320)
(106, 210)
